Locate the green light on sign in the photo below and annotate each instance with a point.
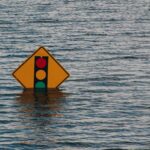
(40, 84)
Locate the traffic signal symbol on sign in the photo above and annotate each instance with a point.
(41, 70)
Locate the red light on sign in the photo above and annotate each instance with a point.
(41, 62)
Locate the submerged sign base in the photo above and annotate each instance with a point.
(41, 70)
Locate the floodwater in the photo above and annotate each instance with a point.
(105, 46)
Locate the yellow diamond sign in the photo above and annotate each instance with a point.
(40, 70)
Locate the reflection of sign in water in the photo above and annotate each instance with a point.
(40, 70)
(42, 104)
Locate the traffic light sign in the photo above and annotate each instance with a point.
(40, 72)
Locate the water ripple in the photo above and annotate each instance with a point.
(105, 47)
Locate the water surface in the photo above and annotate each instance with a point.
(105, 45)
